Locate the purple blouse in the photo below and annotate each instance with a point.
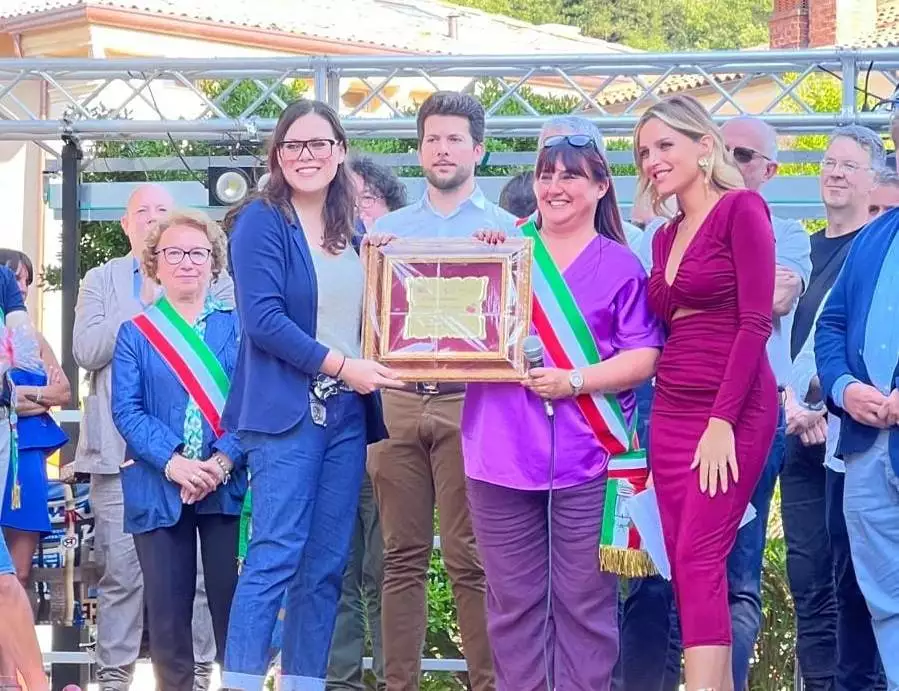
(505, 432)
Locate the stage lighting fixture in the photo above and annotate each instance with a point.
(229, 186)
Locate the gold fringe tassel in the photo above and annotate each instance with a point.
(631, 563)
(16, 500)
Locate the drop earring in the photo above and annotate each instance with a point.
(706, 168)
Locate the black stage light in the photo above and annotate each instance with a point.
(229, 186)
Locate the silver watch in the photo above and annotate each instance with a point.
(576, 380)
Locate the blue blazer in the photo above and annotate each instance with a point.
(148, 407)
(840, 333)
(277, 297)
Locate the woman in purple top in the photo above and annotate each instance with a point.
(534, 564)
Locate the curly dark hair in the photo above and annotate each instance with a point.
(381, 180)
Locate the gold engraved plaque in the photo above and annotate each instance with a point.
(446, 307)
(448, 310)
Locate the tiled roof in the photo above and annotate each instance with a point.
(886, 31)
(415, 25)
(626, 93)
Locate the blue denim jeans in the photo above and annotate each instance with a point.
(306, 484)
(871, 502)
(858, 658)
(650, 635)
(834, 638)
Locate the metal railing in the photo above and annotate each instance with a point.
(100, 99)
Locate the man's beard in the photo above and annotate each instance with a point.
(454, 182)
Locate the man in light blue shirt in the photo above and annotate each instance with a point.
(420, 465)
(857, 354)
(453, 206)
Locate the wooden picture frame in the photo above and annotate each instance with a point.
(448, 310)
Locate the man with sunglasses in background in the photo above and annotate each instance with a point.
(650, 641)
(110, 295)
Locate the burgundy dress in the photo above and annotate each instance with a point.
(713, 365)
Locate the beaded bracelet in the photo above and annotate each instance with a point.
(221, 464)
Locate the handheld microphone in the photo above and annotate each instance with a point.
(533, 353)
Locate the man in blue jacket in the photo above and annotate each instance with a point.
(857, 355)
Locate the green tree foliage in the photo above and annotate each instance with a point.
(657, 25)
(533, 11)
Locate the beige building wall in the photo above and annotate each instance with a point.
(21, 191)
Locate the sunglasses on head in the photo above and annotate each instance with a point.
(576, 140)
(744, 154)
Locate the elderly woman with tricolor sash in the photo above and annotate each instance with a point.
(184, 477)
(544, 490)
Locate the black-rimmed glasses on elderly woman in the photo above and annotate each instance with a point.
(317, 148)
(576, 140)
(175, 255)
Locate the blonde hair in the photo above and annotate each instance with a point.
(192, 219)
(686, 115)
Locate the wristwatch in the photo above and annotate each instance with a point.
(576, 380)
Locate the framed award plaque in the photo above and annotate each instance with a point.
(448, 310)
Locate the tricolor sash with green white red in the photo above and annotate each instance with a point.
(199, 371)
(192, 361)
(570, 344)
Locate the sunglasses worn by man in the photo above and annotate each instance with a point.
(743, 154)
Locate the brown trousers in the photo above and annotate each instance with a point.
(419, 464)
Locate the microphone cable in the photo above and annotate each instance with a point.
(549, 544)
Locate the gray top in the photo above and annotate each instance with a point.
(340, 284)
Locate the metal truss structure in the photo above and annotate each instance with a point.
(48, 101)
(612, 89)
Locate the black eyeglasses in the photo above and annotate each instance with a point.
(576, 140)
(175, 255)
(317, 148)
(744, 155)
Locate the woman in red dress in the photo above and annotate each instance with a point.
(715, 407)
